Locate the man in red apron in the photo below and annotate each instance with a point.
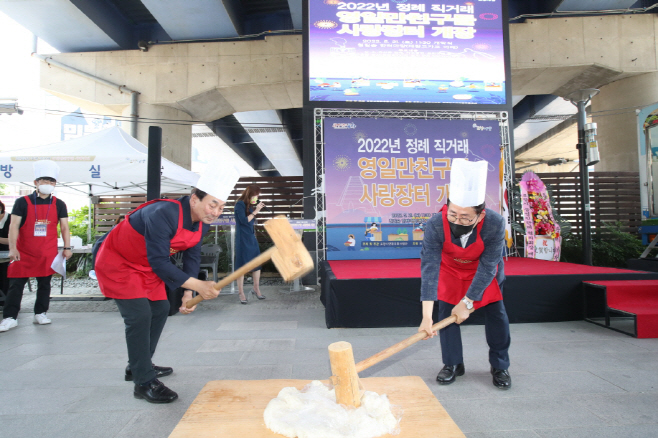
(33, 244)
(132, 267)
(462, 268)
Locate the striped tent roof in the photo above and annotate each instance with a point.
(372, 219)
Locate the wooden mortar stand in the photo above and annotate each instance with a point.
(345, 376)
(289, 255)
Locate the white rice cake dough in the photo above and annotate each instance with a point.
(314, 413)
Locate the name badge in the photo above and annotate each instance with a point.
(40, 230)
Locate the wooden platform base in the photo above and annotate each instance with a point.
(234, 408)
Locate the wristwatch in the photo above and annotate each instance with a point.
(469, 304)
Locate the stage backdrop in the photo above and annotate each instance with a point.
(385, 177)
(415, 51)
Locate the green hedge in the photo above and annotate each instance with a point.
(610, 248)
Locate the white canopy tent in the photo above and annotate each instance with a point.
(104, 163)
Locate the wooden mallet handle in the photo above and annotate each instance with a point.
(254, 263)
(390, 351)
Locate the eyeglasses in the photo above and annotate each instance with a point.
(461, 220)
(48, 180)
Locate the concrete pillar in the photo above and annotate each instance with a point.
(614, 111)
(176, 131)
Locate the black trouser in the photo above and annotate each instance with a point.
(15, 296)
(496, 328)
(4, 282)
(144, 322)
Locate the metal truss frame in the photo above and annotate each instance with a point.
(320, 114)
(320, 208)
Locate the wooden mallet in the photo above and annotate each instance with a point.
(345, 373)
(289, 255)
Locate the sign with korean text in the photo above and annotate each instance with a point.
(407, 51)
(384, 178)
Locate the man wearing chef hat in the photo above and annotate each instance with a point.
(462, 268)
(33, 244)
(133, 266)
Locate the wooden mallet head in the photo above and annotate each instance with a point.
(345, 372)
(291, 257)
(344, 376)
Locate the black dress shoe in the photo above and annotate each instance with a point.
(159, 372)
(501, 378)
(449, 373)
(155, 392)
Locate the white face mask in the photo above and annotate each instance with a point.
(46, 189)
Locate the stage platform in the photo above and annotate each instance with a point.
(386, 293)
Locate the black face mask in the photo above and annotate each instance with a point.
(458, 230)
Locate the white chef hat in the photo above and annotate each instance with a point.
(46, 168)
(218, 181)
(468, 182)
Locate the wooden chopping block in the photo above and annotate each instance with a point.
(289, 255)
(345, 376)
(234, 408)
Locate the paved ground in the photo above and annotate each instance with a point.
(570, 379)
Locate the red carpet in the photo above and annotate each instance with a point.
(410, 268)
(639, 297)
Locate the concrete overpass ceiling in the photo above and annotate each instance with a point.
(61, 24)
(267, 15)
(521, 9)
(267, 130)
(233, 134)
(96, 25)
(296, 13)
(197, 19)
(537, 117)
(134, 10)
(517, 99)
(292, 123)
(145, 26)
(207, 146)
(594, 5)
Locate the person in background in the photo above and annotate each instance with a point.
(5, 220)
(462, 267)
(132, 267)
(33, 244)
(246, 245)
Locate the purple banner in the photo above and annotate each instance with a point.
(415, 51)
(385, 177)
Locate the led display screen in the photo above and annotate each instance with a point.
(406, 51)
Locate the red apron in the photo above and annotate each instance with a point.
(122, 267)
(37, 252)
(458, 267)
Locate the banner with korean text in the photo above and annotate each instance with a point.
(384, 178)
(411, 51)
